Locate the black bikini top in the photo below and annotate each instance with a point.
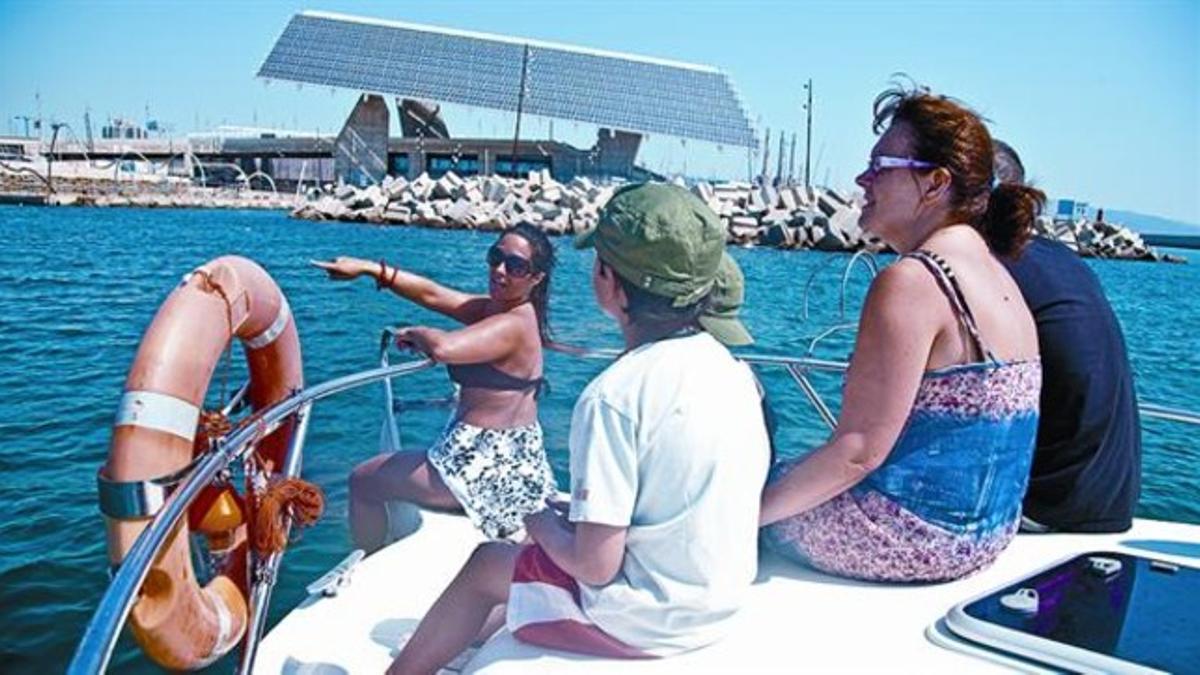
(487, 376)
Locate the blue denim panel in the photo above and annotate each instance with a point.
(964, 474)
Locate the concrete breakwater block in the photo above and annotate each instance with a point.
(494, 189)
(779, 213)
(459, 212)
(787, 200)
(778, 235)
(1099, 239)
(394, 189)
(447, 187)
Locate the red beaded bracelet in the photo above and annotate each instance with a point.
(379, 283)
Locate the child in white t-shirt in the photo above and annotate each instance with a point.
(669, 453)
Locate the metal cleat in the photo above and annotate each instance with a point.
(1103, 567)
(338, 577)
(1023, 601)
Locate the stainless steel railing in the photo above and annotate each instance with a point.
(95, 648)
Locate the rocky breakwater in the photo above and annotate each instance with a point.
(1101, 239)
(477, 203)
(790, 217)
(786, 217)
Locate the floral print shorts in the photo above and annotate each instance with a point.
(499, 476)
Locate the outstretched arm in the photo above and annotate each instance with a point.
(487, 340)
(895, 336)
(462, 307)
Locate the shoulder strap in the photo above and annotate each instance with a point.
(949, 284)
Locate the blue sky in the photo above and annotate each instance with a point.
(1102, 99)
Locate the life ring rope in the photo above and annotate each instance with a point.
(293, 498)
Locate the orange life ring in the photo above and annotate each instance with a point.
(178, 623)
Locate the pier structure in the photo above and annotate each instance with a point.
(419, 68)
(625, 96)
(223, 158)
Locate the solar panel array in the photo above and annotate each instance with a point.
(623, 92)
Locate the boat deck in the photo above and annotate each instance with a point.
(794, 618)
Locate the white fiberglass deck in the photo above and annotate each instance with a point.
(794, 619)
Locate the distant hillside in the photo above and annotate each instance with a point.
(1145, 224)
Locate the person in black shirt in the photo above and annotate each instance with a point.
(1086, 473)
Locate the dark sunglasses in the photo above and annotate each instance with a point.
(515, 265)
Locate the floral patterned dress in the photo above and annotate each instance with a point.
(947, 499)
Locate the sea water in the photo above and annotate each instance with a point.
(79, 286)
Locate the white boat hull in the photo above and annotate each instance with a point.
(794, 619)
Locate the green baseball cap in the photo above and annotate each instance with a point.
(662, 238)
(720, 319)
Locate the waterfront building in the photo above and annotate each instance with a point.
(625, 96)
(1070, 210)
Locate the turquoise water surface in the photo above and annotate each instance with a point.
(78, 287)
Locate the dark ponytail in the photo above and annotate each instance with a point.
(1014, 205)
(1008, 222)
(543, 261)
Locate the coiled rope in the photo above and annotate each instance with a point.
(292, 498)
(283, 503)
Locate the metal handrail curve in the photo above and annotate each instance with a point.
(1163, 412)
(100, 637)
(95, 648)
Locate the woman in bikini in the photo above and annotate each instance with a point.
(923, 478)
(489, 462)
